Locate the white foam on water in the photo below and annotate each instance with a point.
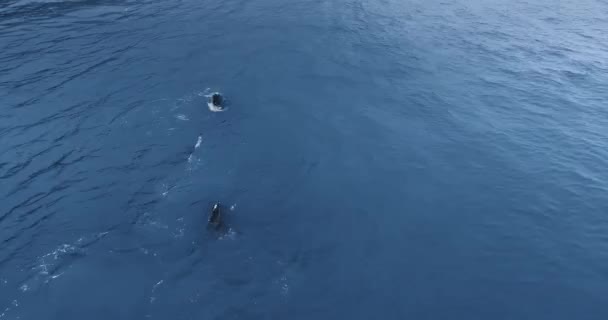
(195, 299)
(157, 284)
(49, 265)
(204, 93)
(191, 157)
(181, 117)
(61, 250)
(184, 100)
(158, 225)
(54, 264)
(213, 108)
(232, 207)
(229, 235)
(57, 275)
(193, 163)
(165, 188)
(283, 285)
(179, 233)
(152, 297)
(44, 267)
(180, 230)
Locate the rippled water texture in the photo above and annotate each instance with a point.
(387, 159)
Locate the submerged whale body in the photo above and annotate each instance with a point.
(215, 218)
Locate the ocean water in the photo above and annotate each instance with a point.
(387, 159)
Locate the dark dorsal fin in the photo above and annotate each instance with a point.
(215, 218)
(217, 100)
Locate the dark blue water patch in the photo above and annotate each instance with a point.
(390, 159)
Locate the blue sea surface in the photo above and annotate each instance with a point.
(385, 159)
